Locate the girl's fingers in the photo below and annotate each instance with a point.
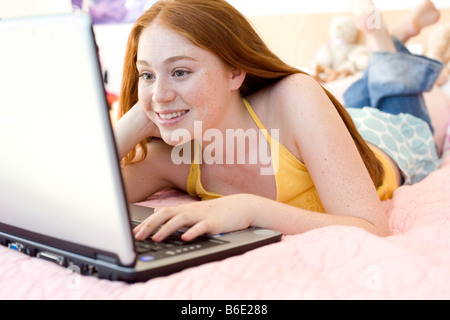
(171, 219)
(198, 229)
(145, 229)
(179, 221)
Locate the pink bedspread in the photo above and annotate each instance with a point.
(329, 263)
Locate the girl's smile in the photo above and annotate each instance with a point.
(168, 117)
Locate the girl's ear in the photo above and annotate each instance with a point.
(237, 78)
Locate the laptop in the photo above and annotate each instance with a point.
(61, 193)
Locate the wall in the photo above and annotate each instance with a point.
(14, 8)
(271, 7)
(293, 29)
(297, 37)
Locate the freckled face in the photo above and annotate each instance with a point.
(180, 83)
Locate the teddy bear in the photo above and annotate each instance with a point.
(341, 56)
(438, 48)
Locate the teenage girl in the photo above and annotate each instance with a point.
(200, 61)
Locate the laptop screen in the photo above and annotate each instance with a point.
(59, 175)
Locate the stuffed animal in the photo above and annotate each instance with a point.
(438, 48)
(341, 55)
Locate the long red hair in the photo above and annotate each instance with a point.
(217, 26)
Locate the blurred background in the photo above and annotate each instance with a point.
(294, 29)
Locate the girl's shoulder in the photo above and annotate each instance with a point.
(294, 88)
(289, 98)
(284, 106)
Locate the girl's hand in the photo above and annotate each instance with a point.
(216, 216)
(132, 128)
(143, 122)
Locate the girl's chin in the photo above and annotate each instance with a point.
(177, 137)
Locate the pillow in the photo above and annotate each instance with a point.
(437, 100)
(438, 103)
(446, 148)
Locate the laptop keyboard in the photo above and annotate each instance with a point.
(172, 246)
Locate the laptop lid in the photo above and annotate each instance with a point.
(60, 179)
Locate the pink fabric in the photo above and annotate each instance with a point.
(330, 263)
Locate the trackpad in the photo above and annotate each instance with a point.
(139, 213)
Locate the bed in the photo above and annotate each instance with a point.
(329, 263)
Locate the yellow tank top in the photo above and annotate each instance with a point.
(294, 183)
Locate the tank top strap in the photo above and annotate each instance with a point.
(257, 121)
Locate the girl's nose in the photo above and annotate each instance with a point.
(163, 91)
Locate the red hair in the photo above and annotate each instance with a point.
(217, 26)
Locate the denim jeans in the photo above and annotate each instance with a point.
(394, 83)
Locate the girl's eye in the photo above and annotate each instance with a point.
(146, 76)
(180, 73)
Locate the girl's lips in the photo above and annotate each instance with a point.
(171, 117)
